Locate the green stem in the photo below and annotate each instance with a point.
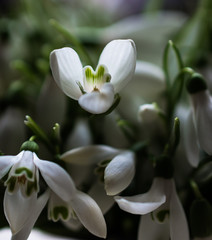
(195, 189)
(73, 40)
(39, 133)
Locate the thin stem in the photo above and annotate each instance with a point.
(72, 40)
(195, 189)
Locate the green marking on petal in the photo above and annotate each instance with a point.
(21, 170)
(162, 215)
(11, 184)
(95, 79)
(30, 187)
(101, 76)
(60, 211)
(89, 75)
(100, 72)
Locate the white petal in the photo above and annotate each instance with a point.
(119, 56)
(89, 154)
(36, 210)
(67, 71)
(150, 32)
(97, 102)
(151, 80)
(57, 179)
(119, 173)
(6, 163)
(89, 214)
(18, 209)
(202, 103)
(178, 222)
(146, 202)
(26, 164)
(151, 230)
(190, 141)
(97, 192)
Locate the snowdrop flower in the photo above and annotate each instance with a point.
(202, 111)
(190, 140)
(22, 188)
(163, 215)
(95, 90)
(115, 168)
(118, 165)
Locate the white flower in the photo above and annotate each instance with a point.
(164, 217)
(190, 140)
(21, 194)
(114, 167)
(202, 113)
(119, 164)
(95, 90)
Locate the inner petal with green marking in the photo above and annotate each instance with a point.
(93, 80)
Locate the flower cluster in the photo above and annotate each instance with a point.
(112, 146)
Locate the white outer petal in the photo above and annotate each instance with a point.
(89, 214)
(18, 209)
(57, 179)
(89, 154)
(151, 230)
(146, 202)
(119, 173)
(97, 192)
(178, 222)
(67, 71)
(151, 80)
(6, 162)
(97, 102)
(119, 56)
(36, 210)
(202, 103)
(190, 141)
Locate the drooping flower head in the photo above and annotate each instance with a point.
(22, 206)
(202, 111)
(95, 90)
(163, 215)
